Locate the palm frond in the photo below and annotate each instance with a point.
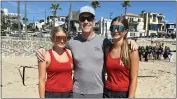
(123, 5)
(95, 4)
(59, 8)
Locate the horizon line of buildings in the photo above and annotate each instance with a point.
(144, 24)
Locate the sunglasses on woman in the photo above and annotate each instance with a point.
(88, 18)
(59, 38)
(118, 27)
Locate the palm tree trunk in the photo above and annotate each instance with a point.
(69, 19)
(125, 10)
(54, 16)
(19, 23)
(26, 23)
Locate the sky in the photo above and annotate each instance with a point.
(36, 9)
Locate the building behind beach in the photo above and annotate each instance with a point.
(154, 23)
(171, 28)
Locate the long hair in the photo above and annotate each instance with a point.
(125, 49)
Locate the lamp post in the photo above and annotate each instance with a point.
(26, 22)
(53, 17)
(19, 23)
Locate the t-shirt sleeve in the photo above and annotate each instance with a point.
(106, 42)
(68, 44)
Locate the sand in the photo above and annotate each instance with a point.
(156, 79)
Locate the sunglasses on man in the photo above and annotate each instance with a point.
(118, 27)
(59, 38)
(88, 18)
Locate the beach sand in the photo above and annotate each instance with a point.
(156, 79)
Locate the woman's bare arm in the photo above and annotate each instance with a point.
(42, 66)
(133, 73)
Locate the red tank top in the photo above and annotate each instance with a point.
(59, 75)
(118, 76)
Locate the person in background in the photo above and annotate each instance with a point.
(55, 72)
(146, 54)
(140, 52)
(121, 63)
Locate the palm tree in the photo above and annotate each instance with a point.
(126, 4)
(54, 8)
(95, 4)
(19, 24)
(26, 19)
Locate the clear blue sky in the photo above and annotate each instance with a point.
(37, 9)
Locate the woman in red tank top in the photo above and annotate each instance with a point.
(58, 67)
(121, 63)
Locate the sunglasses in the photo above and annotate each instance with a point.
(118, 27)
(59, 38)
(89, 18)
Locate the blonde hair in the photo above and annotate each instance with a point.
(125, 52)
(125, 49)
(56, 30)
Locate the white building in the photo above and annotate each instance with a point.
(136, 25)
(59, 20)
(104, 25)
(13, 17)
(38, 25)
(10, 18)
(171, 28)
(154, 23)
(5, 11)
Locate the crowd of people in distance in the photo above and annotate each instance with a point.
(157, 52)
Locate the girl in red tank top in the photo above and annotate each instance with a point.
(55, 73)
(121, 63)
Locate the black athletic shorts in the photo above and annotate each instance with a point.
(114, 94)
(58, 94)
